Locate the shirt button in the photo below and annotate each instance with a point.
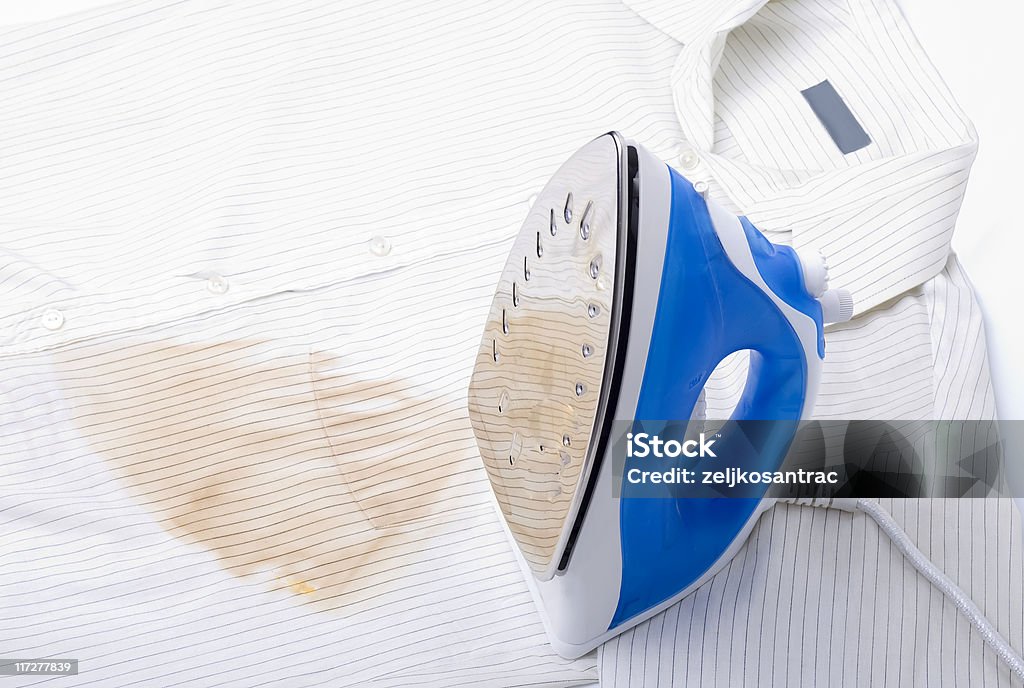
(216, 284)
(380, 246)
(53, 319)
(689, 160)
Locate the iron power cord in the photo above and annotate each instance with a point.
(927, 568)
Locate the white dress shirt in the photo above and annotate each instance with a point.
(246, 255)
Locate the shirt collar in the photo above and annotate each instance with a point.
(884, 223)
(702, 28)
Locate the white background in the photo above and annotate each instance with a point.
(977, 47)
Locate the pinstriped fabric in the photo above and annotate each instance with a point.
(209, 132)
(238, 453)
(839, 607)
(272, 232)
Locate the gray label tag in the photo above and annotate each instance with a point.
(836, 117)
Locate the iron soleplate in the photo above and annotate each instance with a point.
(541, 387)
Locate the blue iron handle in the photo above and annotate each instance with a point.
(725, 288)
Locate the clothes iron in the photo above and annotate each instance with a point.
(624, 290)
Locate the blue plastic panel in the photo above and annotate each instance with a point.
(706, 310)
